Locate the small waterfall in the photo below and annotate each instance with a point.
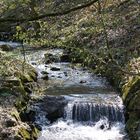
(88, 111)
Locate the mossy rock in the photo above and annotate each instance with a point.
(130, 88)
(21, 103)
(134, 103)
(35, 132)
(15, 114)
(30, 76)
(31, 134)
(33, 75)
(25, 78)
(131, 97)
(25, 134)
(132, 125)
(14, 81)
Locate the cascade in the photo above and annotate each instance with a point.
(88, 111)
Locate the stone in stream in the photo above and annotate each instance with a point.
(28, 116)
(83, 81)
(45, 77)
(49, 58)
(65, 58)
(44, 72)
(65, 73)
(53, 106)
(34, 63)
(55, 69)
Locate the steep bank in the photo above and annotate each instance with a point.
(14, 97)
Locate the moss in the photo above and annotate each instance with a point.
(132, 125)
(26, 78)
(24, 134)
(35, 133)
(134, 104)
(31, 134)
(15, 114)
(21, 103)
(132, 86)
(33, 75)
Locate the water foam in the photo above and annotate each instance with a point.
(76, 131)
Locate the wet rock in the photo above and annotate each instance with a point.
(6, 47)
(54, 106)
(102, 127)
(83, 81)
(11, 123)
(45, 77)
(28, 116)
(49, 58)
(34, 63)
(55, 69)
(44, 72)
(38, 127)
(66, 74)
(65, 58)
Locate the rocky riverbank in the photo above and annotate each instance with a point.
(15, 87)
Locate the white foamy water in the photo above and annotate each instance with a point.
(75, 131)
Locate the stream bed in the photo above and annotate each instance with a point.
(72, 102)
(94, 110)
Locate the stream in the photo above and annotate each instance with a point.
(94, 110)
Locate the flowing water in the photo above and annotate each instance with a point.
(89, 117)
(13, 44)
(94, 110)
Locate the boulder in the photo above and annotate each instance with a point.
(83, 81)
(45, 77)
(11, 122)
(65, 73)
(55, 69)
(44, 72)
(28, 116)
(53, 106)
(65, 58)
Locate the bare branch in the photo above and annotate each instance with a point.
(48, 14)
